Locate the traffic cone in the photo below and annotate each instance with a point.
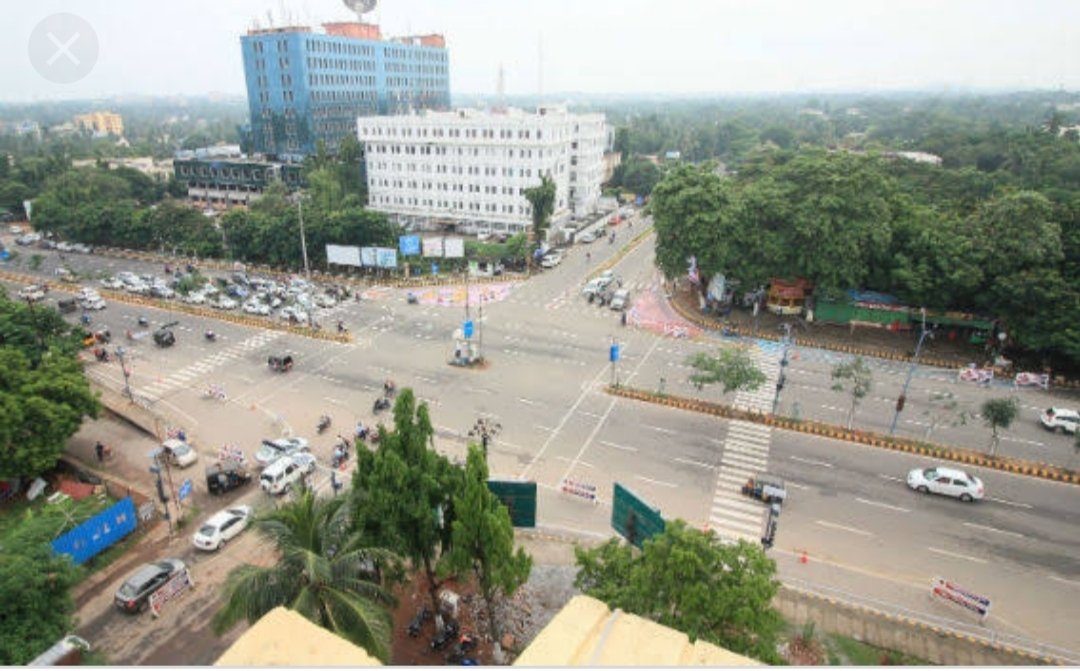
(803, 559)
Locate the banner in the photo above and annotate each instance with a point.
(454, 248)
(28, 205)
(960, 596)
(368, 257)
(385, 257)
(343, 256)
(433, 247)
(1032, 380)
(409, 245)
(177, 584)
(976, 375)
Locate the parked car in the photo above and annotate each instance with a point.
(32, 293)
(161, 291)
(195, 298)
(179, 453)
(221, 527)
(282, 475)
(947, 482)
(224, 303)
(67, 305)
(272, 450)
(256, 308)
(551, 259)
(226, 476)
(1060, 419)
(621, 300)
(93, 303)
(112, 283)
(134, 595)
(586, 237)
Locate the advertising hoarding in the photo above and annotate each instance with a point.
(454, 248)
(433, 247)
(343, 256)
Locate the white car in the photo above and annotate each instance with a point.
(139, 288)
(93, 303)
(272, 450)
(223, 526)
(551, 259)
(194, 298)
(947, 482)
(179, 453)
(324, 301)
(1060, 419)
(112, 283)
(224, 303)
(127, 277)
(294, 314)
(32, 293)
(256, 308)
(586, 237)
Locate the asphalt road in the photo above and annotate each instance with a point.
(548, 363)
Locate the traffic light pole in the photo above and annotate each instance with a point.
(911, 371)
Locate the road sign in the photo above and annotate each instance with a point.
(634, 519)
(519, 498)
(185, 490)
(468, 329)
(613, 353)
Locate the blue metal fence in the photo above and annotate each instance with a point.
(98, 533)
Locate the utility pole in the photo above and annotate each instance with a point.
(120, 352)
(480, 331)
(911, 371)
(37, 325)
(783, 366)
(303, 240)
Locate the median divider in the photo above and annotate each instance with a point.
(869, 438)
(621, 254)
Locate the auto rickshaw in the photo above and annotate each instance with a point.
(226, 476)
(767, 488)
(281, 364)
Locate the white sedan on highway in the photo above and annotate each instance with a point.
(222, 527)
(948, 482)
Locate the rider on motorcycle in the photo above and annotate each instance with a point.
(389, 387)
(210, 335)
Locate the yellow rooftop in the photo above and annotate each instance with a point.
(283, 637)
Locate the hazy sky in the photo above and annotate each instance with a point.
(592, 46)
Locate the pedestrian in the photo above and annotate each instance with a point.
(623, 318)
(99, 450)
(335, 485)
(181, 436)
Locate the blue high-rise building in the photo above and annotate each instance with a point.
(304, 87)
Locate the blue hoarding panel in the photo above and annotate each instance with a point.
(98, 533)
(409, 245)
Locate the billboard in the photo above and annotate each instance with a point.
(409, 245)
(368, 257)
(454, 248)
(385, 257)
(433, 246)
(343, 256)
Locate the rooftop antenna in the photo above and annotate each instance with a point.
(360, 7)
(500, 90)
(540, 67)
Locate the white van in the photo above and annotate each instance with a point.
(280, 476)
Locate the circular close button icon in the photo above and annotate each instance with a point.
(63, 48)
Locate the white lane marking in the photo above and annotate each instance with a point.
(841, 527)
(879, 504)
(589, 414)
(812, 462)
(661, 429)
(957, 555)
(997, 531)
(1009, 503)
(575, 461)
(795, 485)
(543, 428)
(657, 482)
(691, 462)
(478, 390)
(527, 401)
(625, 448)
(1074, 583)
(892, 478)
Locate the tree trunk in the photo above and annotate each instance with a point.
(489, 603)
(433, 585)
(851, 415)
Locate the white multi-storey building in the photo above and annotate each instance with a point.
(469, 169)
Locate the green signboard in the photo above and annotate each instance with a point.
(519, 498)
(634, 519)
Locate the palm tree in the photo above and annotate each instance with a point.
(322, 573)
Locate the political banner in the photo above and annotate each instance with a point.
(960, 596)
(343, 256)
(454, 248)
(368, 257)
(409, 245)
(433, 247)
(1032, 380)
(170, 590)
(976, 375)
(385, 257)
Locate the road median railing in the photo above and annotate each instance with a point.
(869, 438)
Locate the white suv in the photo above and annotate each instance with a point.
(946, 481)
(1060, 419)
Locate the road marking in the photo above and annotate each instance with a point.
(657, 482)
(879, 504)
(476, 390)
(841, 527)
(795, 485)
(626, 448)
(999, 531)
(527, 401)
(1023, 442)
(957, 555)
(812, 462)
(691, 462)
(543, 428)
(589, 414)
(661, 429)
(1074, 583)
(1009, 503)
(892, 478)
(575, 461)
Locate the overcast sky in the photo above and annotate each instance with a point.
(592, 46)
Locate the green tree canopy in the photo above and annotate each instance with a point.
(731, 367)
(542, 200)
(690, 581)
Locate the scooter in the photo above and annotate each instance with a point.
(341, 455)
(210, 336)
(442, 638)
(380, 405)
(323, 425)
(422, 616)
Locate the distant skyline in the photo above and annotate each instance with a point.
(681, 47)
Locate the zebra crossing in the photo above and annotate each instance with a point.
(184, 376)
(745, 453)
(761, 399)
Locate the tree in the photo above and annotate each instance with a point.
(944, 410)
(690, 581)
(482, 539)
(323, 571)
(854, 376)
(542, 200)
(399, 489)
(640, 176)
(998, 413)
(731, 367)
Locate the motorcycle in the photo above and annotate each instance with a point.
(341, 455)
(380, 405)
(389, 389)
(442, 638)
(143, 321)
(461, 649)
(210, 336)
(341, 328)
(422, 616)
(101, 355)
(323, 425)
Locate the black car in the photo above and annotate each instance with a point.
(134, 595)
(226, 476)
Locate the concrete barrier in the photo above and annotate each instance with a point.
(936, 644)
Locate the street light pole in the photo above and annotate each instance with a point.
(783, 366)
(303, 240)
(120, 352)
(911, 371)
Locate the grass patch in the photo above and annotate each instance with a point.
(846, 651)
(102, 560)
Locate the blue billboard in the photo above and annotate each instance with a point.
(98, 533)
(409, 245)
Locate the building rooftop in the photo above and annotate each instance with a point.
(283, 637)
